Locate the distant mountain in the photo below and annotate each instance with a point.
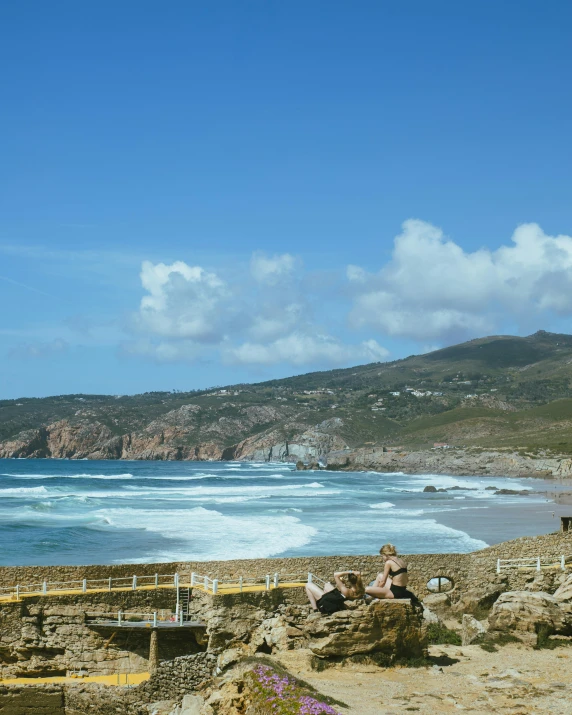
(497, 392)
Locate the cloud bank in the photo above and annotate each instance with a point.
(265, 318)
(430, 291)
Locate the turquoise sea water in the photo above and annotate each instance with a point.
(83, 512)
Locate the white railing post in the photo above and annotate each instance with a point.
(309, 578)
(17, 592)
(156, 580)
(215, 585)
(119, 618)
(275, 580)
(181, 617)
(109, 588)
(193, 576)
(538, 564)
(206, 583)
(498, 566)
(240, 583)
(176, 581)
(267, 583)
(155, 619)
(134, 586)
(45, 587)
(84, 585)
(562, 563)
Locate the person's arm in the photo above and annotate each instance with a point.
(386, 569)
(340, 585)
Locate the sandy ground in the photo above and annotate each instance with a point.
(515, 680)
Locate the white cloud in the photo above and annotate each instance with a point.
(270, 270)
(299, 349)
(184, 302)
(190, 314)
(432, 289)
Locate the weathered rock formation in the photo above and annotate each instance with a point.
(472, 629)
(392, 628)
(452, 461)
(527, 612)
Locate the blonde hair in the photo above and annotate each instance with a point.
(388, 550)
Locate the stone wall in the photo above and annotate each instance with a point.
(51, 636)
(178, 677)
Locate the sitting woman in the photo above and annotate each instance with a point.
(395, 569)
(332, 598)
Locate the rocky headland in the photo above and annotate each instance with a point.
(503, 405)
(318, 446)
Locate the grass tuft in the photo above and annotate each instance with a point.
(438, 634)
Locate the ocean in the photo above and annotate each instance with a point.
(87, 512)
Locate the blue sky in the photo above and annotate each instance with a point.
(196, 193)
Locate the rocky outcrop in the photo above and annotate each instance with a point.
(452, 461)
(563, 593)
(312, 444)
(472, 629)
(527, 612)
(390, 627)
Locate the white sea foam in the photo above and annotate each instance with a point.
(132, 492)
(24, 492)
(208, 534)
(382, 505)
(69, 476)
(392, 513)
(213, 476)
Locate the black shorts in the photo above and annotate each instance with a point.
(403, 592)
(331, 602)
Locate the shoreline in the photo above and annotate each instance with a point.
(457, 461)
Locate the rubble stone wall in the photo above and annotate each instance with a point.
(51, 636)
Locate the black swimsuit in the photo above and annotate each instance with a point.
(402, 591)
(331, 602)
(393, 574)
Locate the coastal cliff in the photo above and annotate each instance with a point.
(321, 446)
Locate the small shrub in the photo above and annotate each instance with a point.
(438, 634)
(488, 646)
(489, 641)
(545, 642)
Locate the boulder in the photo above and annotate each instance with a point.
(471, 629)
(563, 593)
(437, 601)
(476, 600)
(392, 627)
(526, 611)
(191, 705)
(430, 488)
(429, 616)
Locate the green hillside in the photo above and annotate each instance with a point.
(500, 391)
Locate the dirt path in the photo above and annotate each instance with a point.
(515, 680)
